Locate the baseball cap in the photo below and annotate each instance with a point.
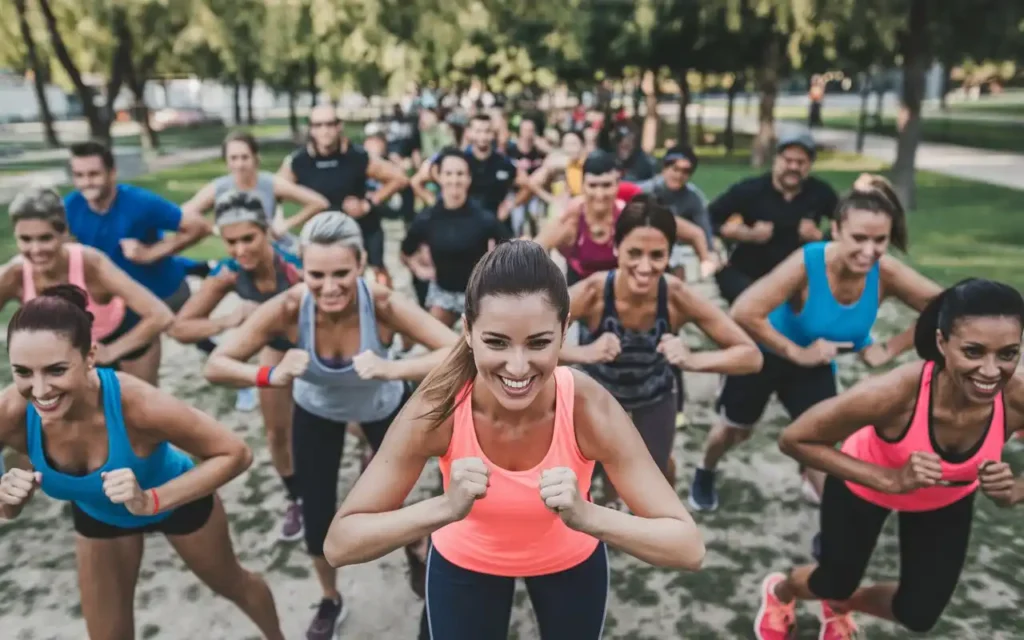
(800, 139)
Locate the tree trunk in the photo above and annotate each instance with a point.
(947, 81)
(915, 66)
(683, 124)
(700, 111)
(876, 117)
(649, 85)
(311, 71)
(236, 91)
(118, 65)
(38, 80)
(293, 116)
(862, 120)
(150, 141)
(85, 93)
(730, 111)
(249, 86)
(768, 84)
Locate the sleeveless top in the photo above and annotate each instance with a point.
(587, 257)
(338, 393)
(106, 317)
(286, 271)
(639, 376)
(959, 470)
(509, 532)
(264, 190)
(822, 316)
(161, 466)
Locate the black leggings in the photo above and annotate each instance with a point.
(468, 605)
(317, 447)
(933, 547)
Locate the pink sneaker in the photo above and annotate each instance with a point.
(836, 626)
(775, 620)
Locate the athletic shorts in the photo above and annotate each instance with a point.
(186, 519)
(373, 242)
(743, 398)
(451, 301)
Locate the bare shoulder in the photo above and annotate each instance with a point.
(11, 273)
(891, 389)
(589, 397)
(12, 418)
(589, 288)
(1013, 400)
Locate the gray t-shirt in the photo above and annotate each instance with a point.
(688, 202)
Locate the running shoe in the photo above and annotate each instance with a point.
(329, 616)
(291, 525)
(775, 619)
(703, 495)
(836, 626)
(246, 400)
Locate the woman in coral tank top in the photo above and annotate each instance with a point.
(934, 435)
(518, 437)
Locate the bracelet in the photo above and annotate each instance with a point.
(156, 501)
(263, 377)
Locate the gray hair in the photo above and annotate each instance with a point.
(239, 206)
(39, 203)
(330, 228)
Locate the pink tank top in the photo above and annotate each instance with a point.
(959, 479)
(106, 317)
(509, 532)
(587, 257)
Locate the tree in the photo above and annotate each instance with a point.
(38, 77)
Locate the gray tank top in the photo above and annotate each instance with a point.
(339, 394)
(264, 190)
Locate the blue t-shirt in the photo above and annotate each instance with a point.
(137, 214)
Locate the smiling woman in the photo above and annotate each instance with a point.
(518, 437)
(103, 441)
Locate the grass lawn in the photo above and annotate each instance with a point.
(997, 136)
(991, 106)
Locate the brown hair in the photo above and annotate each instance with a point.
(245, 138)
(518, 268)
(875, 193)
(60, 309)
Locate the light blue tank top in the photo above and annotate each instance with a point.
(337, 393)
(164, 464)
(264, 190)
(822, 317)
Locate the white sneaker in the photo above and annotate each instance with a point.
(246, 400)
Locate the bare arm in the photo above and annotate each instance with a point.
(154, 315)
(311, 201)
(752, 307)
(812, 438)
(689, 233)
(583, 296)
(192, 229)
(419, 182)
(372, 521)
(659, 530)
(538, 181)
(285, 170)
(12, 434)
(193, 323)
(1014, 402)
(737, 353)
(557, 231)
(202, 202)
(391, 178)
(228, 364)
(912, 289)
(160, 417)
(10, 281)
(411, 320)
(736, 230)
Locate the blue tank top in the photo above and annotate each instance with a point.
(822, 316)
(164, 464)
(639, 376)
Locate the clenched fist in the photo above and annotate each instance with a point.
(559, 489)
(18, 485)
(370, 366)
(121, 487)
(468, 483)
(292, 365)
(674, 350)
(605, 349)
(923, 469)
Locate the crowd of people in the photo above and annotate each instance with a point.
(477, 370)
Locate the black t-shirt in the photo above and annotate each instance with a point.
(493, 179)
(335, 176)
(756, 199)
(457, 240)
(530, 160)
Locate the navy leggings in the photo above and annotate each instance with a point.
(467, 605)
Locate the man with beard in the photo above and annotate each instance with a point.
(768, 217)
(128, 223)
(336, 168)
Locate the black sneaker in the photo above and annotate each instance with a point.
(329, 616)
(703, 496)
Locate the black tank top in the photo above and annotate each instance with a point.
(639, 376)
(335, 176)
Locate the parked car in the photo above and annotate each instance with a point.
(162, 119)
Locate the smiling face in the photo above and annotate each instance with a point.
(453, 178)
(515, 342)
(677, 174)
(39, 242)
(241, 161)
(862, 238)
(981, 354)
(331, 273)
(481, 135)
(643, 258)
(600, 190)
(48, 371)
(93, 179)
(247, 243)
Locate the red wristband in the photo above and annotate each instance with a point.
(156, 501)
(263, 377)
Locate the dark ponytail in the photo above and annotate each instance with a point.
(61, 309)
(973, 297)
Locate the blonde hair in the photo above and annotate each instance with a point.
(330, 228)
(39, 203)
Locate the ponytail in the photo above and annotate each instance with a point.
(443, 388)
(925, 338)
